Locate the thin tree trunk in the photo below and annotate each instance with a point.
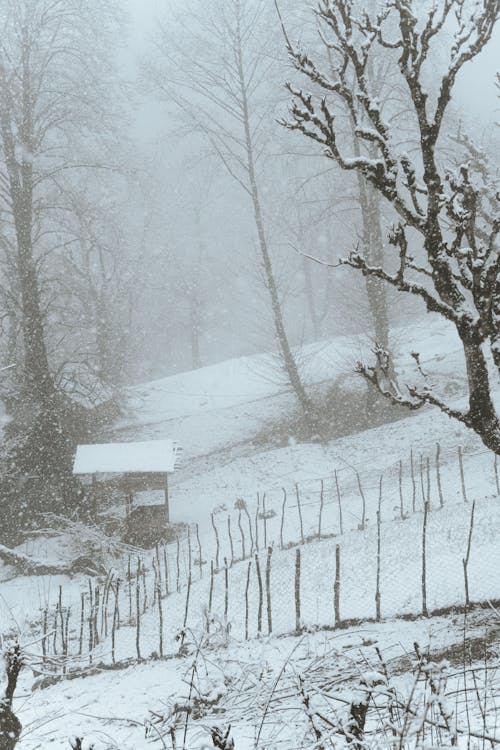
(287, 357)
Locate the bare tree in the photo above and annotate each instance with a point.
(453, 215)
(49, 109)
(220, 88)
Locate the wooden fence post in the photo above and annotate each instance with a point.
(298, 625)
(422, 485)
(217, 543)
(428, 477)
(138, 610)
(45, 632)
(211, 590)
(242, 536)
(321, 502)
(257, 511)
(339, 500)
(379, 530)
(401, 499)
(424, 561)
(226, 589)
(115, 622)
(462, 475)
(467, 556)
(264, 516)
(129, 580)
(363, 504)
(82, 623)
(165, 565)
(283, 505)
(160, 613)
(246, 598)
(229, 533)
(336, 587)
(299, 509)
(200, 553)
(413, 484)
(186, 610)
(178, 563)
(438, 475)
(268, 591)
(259, 581)
(250, 530)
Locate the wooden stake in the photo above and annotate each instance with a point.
(217, 543)
(165, 565)
(129, 579)
(259, 581)
(283, 506)
(242, 536)
(160, 609)
(178, 563)
(422, 485)
(246, 598)
(428, 476)
(339, 500)
(211, 590)
(413, 483)
(379, 530)
(438, 475)
(116, 619)
(467, 556)
(226, 589)
(138, 610)
(249, 528)
(144, 589)
(401, 499)
(363, 504)
(44, 638)
(268, 591)
(190, 550)
(231, 545)
(462, 475)
(321, 503)
(82, 623)
(336, 587)
(424, 561)
(200, 555)
(298, 624)
(257, 510)
(299, 508)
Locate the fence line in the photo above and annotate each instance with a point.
(144, 601)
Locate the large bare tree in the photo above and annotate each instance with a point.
(220, 84)
(450, 216)
(54, 71)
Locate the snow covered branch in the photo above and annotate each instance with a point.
(452, 213)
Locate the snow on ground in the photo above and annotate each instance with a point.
(223, 405)
(216, 413)
(254, 679)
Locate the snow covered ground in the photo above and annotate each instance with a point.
(217, 413)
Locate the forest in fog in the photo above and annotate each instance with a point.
(249, 374)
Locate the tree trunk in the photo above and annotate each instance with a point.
(287, 357)
(194, 333)
(482, 414)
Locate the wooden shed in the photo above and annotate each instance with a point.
(128, 468)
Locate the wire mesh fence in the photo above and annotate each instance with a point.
(317, 554)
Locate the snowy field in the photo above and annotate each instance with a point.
(241, 498)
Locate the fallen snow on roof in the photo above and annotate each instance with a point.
(116, 458)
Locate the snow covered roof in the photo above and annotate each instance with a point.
(148, 457)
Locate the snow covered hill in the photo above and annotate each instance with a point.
(241, 497)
